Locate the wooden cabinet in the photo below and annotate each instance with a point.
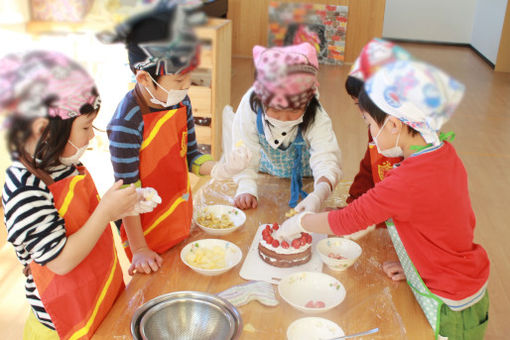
(211, 90)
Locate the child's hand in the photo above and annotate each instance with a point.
(148, 199)
(290, 227)
(394, 270)
(245, 201)
(313, 201)
(117, 202)
(145, 261)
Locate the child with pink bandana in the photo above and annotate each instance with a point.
(282, 123)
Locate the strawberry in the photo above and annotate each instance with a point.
(265, 233)
(320, 304)
(268, 228)
(285, 245)
(275, 243)
(269, 240)
(302, 241)
(310, 304)
(275, 226)
(296, 244)
(308, 238)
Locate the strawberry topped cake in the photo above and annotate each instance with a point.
(284, 253)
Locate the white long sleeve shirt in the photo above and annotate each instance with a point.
(325, 154)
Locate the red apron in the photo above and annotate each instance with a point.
(163, 166)
(380, 164)
(78, 301)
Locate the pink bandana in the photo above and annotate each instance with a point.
(28, 81)
(376, 53)
(286, 76)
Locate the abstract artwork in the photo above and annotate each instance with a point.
(324, 26)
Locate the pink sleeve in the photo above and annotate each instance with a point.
(389, 198)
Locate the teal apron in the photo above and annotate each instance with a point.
(292, 162)
(429, 303)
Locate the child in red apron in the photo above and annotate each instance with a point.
(424, 200)
(54, 218)
(152, 133)
(374, 166)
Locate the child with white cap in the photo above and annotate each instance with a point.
(425, 199)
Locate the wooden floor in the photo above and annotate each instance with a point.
(482, 127)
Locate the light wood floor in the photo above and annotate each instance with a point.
(482, 127)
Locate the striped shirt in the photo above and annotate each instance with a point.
(34, 227)
(125, 132)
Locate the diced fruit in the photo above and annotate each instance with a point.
(285, 245)
(275, 243)
(336, 256)
(296, 243)
(310, 304)
(320, 304)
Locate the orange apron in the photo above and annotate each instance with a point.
(163, 166)
(78, 301)
(380, 164)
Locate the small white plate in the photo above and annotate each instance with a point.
(313, 328)
(311, 292)
(233, 255)
(237, 216)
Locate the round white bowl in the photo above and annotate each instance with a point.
(233, 255)
(313, 328)
(348, 249)
(237, 216)
(302, 288)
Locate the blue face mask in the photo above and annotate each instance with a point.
(393, 152)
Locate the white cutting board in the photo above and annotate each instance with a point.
(255, 269)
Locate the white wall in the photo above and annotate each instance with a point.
(487, 26)
(431, 20)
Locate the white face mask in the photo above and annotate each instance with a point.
(173, 97)
(395, 151)
(74, 159)
(284, 125)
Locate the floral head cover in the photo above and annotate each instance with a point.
(376, 53)
(420, 95)
(45, 84)
(286, 76)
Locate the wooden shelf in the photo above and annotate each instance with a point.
(216, 55)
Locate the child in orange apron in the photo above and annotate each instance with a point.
(374, 165)
(424, 200)
(152, 133)
(54, 218)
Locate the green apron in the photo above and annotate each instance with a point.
(429, 303)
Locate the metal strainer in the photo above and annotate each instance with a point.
(186, 316)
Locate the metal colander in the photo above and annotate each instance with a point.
(187, 315)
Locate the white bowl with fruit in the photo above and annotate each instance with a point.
(338, 253)
(219, 219)
(211, 256)
(311, 292)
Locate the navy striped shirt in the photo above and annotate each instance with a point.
(34, 227)
(125, 132)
